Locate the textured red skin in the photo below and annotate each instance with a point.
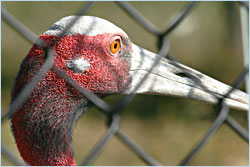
(52, 101)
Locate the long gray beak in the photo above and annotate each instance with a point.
(166, 78)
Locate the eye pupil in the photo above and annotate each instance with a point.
(115, 45)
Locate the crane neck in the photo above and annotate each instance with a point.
(43, 126)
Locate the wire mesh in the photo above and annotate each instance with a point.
(113, 113)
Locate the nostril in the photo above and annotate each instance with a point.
(183, 75)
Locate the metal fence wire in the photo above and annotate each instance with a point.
(113, 112)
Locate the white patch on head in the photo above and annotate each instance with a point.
(88, 25)
(78, 65)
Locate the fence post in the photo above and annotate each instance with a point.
(245, 43)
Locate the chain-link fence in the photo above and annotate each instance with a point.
(113, 112)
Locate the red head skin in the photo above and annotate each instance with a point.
(43, 125)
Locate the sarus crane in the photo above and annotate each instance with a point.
(101, 58)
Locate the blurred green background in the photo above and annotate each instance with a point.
(208, 40)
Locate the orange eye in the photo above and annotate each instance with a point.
(115, 46)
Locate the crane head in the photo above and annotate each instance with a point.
(99, 57)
